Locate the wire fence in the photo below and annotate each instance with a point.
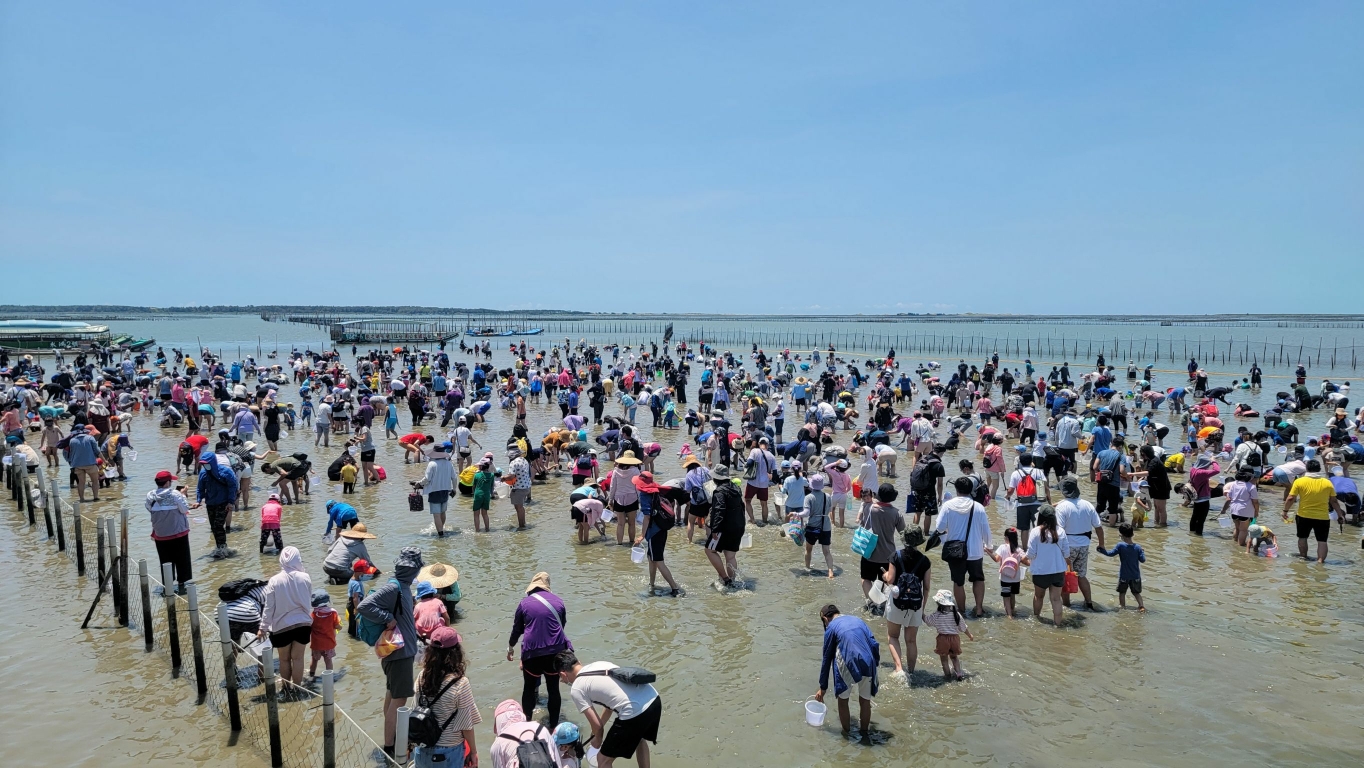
(285, 722)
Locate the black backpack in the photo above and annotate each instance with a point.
(422, 727)
(921, 480)
(911, 597)
(534, 753)
(237, 589)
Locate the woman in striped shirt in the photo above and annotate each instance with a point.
(445, 688)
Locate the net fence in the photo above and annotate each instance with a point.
(299, 709)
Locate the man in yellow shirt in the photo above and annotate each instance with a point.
(1316, 498)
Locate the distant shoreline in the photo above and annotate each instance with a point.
(357, 312)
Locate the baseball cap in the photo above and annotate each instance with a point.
(363, 567)
(444, 637)
(163, 476)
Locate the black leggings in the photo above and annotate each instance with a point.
(530, 694)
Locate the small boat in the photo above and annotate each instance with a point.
(524, 332)
(489, 331)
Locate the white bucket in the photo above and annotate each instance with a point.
(637, 554)
(879, 592)
(131, 454)
(814, 712)
(607, 516)
(283, 435)
(747, 541)
(1224, 521)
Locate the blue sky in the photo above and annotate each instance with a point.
(759, 157)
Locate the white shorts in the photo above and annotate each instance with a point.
(905, 618)
(863, 686)
(839, 498)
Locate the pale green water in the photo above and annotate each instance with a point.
(1237, 659)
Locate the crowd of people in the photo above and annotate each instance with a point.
(857, 427)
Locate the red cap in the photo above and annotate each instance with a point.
(362, 567)
(163, 475)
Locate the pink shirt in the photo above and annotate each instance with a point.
(429, 614)
(839, 482)
(269, 514)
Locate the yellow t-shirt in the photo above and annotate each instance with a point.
(348, 473)
(1314, 497)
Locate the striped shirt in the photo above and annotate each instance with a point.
(459, 697)
(246, 609)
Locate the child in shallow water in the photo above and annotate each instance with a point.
(950, 625)
(1260, 535)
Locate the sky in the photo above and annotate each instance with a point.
(763, 157)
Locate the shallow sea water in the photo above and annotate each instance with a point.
(1237, 658)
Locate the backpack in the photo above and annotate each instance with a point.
(921, 479)
(534, 753)
(1009, 567)
(369, 631)
(1027, 489)
(235, 463)
(583, 464)
(1254, 458)
(980, 491)
(697, 496)
(422, 727)
(626, 675)
(662, 517)
(237, 589)
(911, 596)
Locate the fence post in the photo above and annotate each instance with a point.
(144, 584)
(100, 549)
(113, 567)
(400, 735)
(197, 641)
(328, 721)
(172, 628)
(47, 508)
(55, 504)
(79, 528)
(123, 567)
(234, 708)
(272, 706)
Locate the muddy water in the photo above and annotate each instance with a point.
(1236, 656)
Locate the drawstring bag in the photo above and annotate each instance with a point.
(389, 641)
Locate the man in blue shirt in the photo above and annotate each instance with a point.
(1112, 469)
(851, 649)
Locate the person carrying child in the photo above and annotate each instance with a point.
(326, 623)
(950, 624)
(1130, 557)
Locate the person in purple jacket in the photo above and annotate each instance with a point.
(539, 625)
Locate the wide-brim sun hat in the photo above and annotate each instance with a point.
(439, 575)
(628, 459)
(357, 531)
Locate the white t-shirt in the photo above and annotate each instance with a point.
(627, 701)
(1038, 476)
(461, 436)
(1077, 517)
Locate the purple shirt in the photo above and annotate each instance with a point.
(539, 625)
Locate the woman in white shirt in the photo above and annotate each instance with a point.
(1048, 551)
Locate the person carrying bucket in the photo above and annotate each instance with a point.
(851, 650)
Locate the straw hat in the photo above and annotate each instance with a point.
(358, 531)
(690, 461)
(540, 581)
(802, 380)
(628, 459)
(439, 575)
